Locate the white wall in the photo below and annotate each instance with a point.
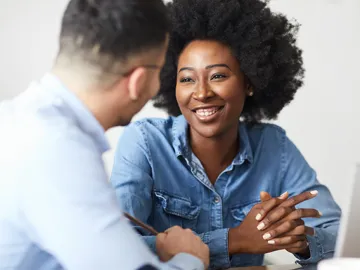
(323, 120)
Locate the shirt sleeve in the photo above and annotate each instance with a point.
(217, 241)
(299, 177)
(71, 212)
(132, 179)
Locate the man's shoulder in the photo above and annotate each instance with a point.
(30, 128)
(34, 140)
(33, 112)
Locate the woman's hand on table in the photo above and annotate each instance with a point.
(273, 224)
(284, 225)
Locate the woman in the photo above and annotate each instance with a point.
(203, 168)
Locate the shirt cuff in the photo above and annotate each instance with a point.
(218, 244)
(151, 242)
(316, 247)
(186, 261)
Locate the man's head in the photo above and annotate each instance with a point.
(113, 50)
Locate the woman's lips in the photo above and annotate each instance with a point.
(207, 114)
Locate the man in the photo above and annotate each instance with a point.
(57, 209)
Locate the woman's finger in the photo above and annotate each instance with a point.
(274, 216)
(283, 228)
(302, 230)
(265, 196)
(293, 201)
(264, 208)
(304, 213)
(287, 240)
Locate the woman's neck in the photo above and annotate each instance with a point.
(215, 154)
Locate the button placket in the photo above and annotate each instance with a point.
(197, 171)
(217, 199)
(216, 212)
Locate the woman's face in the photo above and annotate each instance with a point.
(210, 88)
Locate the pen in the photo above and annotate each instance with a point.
(141, 224)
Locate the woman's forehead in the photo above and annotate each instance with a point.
(204, 53)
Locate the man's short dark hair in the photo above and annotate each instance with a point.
(115, 29)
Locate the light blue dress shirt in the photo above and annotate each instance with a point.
(57, 209)
(159, 180)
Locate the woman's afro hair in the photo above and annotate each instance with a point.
(262, 41)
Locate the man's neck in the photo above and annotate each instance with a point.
(87, 93)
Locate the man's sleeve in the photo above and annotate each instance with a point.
(72, 213)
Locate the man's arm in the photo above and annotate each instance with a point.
(73, 214)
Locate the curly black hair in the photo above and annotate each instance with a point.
(262, 41)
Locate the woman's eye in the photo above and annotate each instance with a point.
(186, 80)
(218, 76)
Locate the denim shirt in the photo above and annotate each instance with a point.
(159, 180)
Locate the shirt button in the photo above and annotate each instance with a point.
(216, 199)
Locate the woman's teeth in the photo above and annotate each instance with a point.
(206, 112)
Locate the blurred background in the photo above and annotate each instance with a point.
(323, 120)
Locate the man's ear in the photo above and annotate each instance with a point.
(137, 80)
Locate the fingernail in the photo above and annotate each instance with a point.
(258, 217)
(271, 242)
(267, 236)
(261, 226)
(283, 195)
(314, 192)
(320, 214)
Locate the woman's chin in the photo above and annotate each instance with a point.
(207, 131)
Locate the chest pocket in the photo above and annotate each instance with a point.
(172, 211)
(239, 212)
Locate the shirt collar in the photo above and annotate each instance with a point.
(245, 151)
(77, 110)
(180, 138)
(182, 147)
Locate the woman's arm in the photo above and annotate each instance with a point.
(299, 177)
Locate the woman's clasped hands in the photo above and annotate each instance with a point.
(275, 224)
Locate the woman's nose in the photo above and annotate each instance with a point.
(203, 93)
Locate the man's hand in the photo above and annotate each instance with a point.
(284, 225)
(177, 240)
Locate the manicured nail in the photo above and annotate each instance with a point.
(320, 214)
(271, 242)
(258, 217)
(314, 192)
(261, 226)
(267, 236)
(283, 195)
